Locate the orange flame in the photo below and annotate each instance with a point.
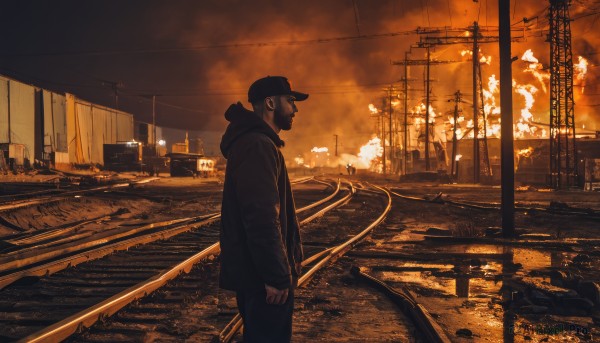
(373, 109)
(525, 152)
(370, 152)
(581, 69)
(317, 149)
(535, 68)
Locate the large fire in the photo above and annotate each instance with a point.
(525, 126)
(536, 68)
(581, 70)
(371, 152)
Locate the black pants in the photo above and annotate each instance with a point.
(264, 323)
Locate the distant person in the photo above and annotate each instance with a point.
(261, 249)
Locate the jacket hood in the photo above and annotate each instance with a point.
(242, 121)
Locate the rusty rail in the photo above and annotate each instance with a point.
(85, 318)
(102, 249)
(65, 328)
(330, 255)
(65, 195)
(589, 213)
(58, 265)
(417, 312)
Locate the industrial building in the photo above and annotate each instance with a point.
(45, 127)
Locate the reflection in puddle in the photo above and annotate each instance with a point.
(477, 282)
(444, 286)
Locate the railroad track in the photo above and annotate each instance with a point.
(490, 206)
(89, 283)
(40, 198)
(192, 308)
(203, 322)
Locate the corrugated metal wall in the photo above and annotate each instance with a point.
(91, 126)
(55, 122)
(4, 127)
(17, 115)
(44, 122)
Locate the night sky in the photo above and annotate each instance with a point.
(198, 57)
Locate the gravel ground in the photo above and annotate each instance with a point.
(467, 297)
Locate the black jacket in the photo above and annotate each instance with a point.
(260, 239)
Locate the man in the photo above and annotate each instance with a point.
(260, 240)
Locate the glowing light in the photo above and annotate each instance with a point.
(458, 157)
(162, 142)
(525, 152)
(373, 109)
(317, 149)
(535, 68)
(370, 152)
(581, 69)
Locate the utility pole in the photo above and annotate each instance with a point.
(476, 159)
(8, 108)
(405, 159)
(114, 85)
(428, 62)
(391, 151)
(427, 104)
(457, 100)
(391, 131)
(405, 80)
(336, 144)
(383, 135)
(154, 124)
(507, 149)
(447, 36)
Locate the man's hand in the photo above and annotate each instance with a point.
(276, 296)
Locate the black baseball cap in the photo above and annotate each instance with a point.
(270, 86)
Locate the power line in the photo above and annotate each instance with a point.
(217, 46)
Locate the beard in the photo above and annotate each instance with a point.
(283, 121)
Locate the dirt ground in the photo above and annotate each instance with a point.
(545, 289)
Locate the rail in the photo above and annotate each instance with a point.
(98, 248)
(330, 255)
(65, 195)
(63, 329)
(417, 312)
(591, 214)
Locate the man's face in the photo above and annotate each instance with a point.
(285, 109)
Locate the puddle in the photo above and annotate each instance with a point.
(474, 282)
(475, 292)
(529, 258)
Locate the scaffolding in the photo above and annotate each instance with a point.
(563, 151)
